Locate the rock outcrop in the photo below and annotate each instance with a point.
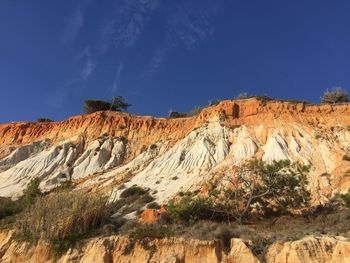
(310, 249)
(104, 149)
(120, 249)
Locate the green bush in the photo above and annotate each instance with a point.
(133, 191)
(146, 198)
(346, 198)
(91, 106)
(153, 205)
(32, 191)
(9, 207)
(132, 199)
(190, 209)
(256, 189)
(175, 114)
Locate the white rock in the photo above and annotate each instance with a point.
(185, 164)
(243, 147)
(276, 148)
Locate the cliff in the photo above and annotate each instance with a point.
(102, 149)
(238, 112)
(119, 249)
(106, 151)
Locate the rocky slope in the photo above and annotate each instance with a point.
(119, 249)
(105, 149)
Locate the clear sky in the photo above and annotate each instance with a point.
(167, 54)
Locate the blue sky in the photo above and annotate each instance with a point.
(166, 55)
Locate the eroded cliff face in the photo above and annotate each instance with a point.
(119, 249)
(104, 149)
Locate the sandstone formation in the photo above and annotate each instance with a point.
(109, 151)
(105, 149)
(119, 249)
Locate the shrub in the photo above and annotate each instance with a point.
(190, 209)
(346, 198)
(175, 114)
(64, 186)
(133, 191)
(32, 191)
(336, 95)
(196, 110)
(9, 207)
(153, 205)
(243, 95)
(93, 105)
(44, 120)
(146, 198)
(132, 199)
(62, 218)
(256, 188)
(214, 102)
(120, 104)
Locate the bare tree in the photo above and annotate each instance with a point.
(336, 95)
(243, 95)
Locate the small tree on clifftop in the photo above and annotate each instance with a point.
(117, 104)
(336, 95)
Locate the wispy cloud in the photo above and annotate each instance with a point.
(128, 22)
(187, 25)
(87, 69)
(156, 62)
(74, 23)
(190, 23)
(73, 26)
(117, 77)
(89, 63)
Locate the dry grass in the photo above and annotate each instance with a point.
(62, 218)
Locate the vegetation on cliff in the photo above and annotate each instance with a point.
(116, 104)
(256, 189)
(336, 95)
